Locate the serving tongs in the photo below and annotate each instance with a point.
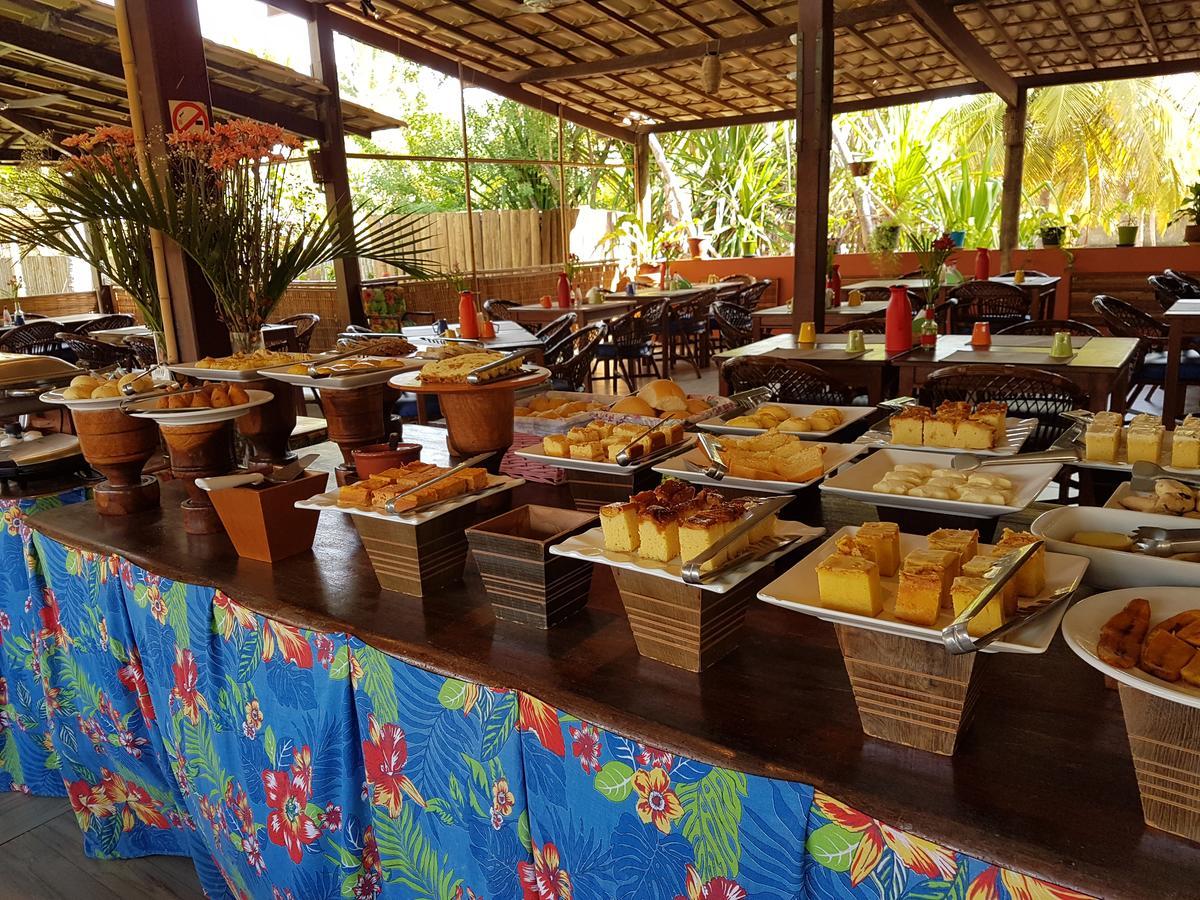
(1154, 541)
(718, 468)
(624, 458)
(127, 405)
(1064, 450)
(1146, 474)
(466, 464)
(955, 636)
(443, 341)
(763, 507)
(747, 400)
(896, 404)
(475, 376)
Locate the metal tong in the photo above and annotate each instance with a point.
(748, 399)
(466, 464)
(1146, 473)
(473, 377)
(623, 458)
(955, 635)
(1165, 541)
(712, 447)
(764, 506)
(897, 404)
(315, 364)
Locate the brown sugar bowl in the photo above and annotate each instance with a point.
(375, 458)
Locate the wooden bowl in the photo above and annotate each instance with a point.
(118, 446)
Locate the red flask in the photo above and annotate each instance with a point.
(564, 291)
(834, 283)
(898, 335)
(982, 264)
(468, 323)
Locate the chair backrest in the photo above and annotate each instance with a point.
(789, 380)
(95, 354)
(1126, 320)
(740, 279)
(497, 309)
(1191, 281)
(1029, 393)
(551, 332)
(306, 324)
(574, 354)
(733, 321)
(994, 302)
(752, 293)
(1169, 290)
(1051, 327)
(876, 323)
(637, 327)
(143, 349)
(877, 294)
(104, 323)
(36, 338)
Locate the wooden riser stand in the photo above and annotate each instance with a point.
(1164, 740)
(592, 490)
(908, 691)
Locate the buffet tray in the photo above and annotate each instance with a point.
(717, 406)
(23, 370)
(857, 481)
(1125, 488)
(797, 589)
(677, 467)
(194, 372)
(346, 382)
(542, 427)
(48, 448)
(329, 502)
(850, 415)
(1017, 432)
(589, 547)
(1120, 465)
(604, 467)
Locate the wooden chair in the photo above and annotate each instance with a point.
(497, 310)
(575, 353)
(876, 323)
(1052, 327)
(306, 324)
(104, 323)
(552, 332)
(734, 326)
(628, 350)
(790, 381)
(94, 354)
(1030, 394)
(994, 302)
(35, 338)
(688, 332)
(1150, 366)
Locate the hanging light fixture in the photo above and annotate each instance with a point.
(710, 71)
(368, 9)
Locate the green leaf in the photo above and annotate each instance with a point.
(712, 814)
(340, 667)
(409, 858)
(436, 806)
(376, 683)
(453, 694)
(615, 781)
(833, 846)
(523, 834)
(269, 743)
(499, 725)
(177, 612)
(249, 654)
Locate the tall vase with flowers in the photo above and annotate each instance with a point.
(229, 203)
(933, 252)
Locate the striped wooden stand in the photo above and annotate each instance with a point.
(908, 691)
(1164, 740)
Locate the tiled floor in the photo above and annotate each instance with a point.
(41, 858)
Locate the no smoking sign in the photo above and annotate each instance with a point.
(188, 116)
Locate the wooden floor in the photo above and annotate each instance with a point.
(41, 857)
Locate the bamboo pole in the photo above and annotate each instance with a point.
(138, 122)
(562, 196)
(462, 106)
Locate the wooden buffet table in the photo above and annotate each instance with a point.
(1042, 783)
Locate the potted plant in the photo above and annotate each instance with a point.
(1127, 232)
(1190, 212)
(861, 168)
(886, 237)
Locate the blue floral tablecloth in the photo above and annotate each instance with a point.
(298, 765)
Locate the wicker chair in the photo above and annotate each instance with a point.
(1052, 327)
(790, 381)
(1030, 394)
(93, 354)
(994, 302)
(306, 324)
(876, 323)
(1150, 367)
(104, 323)
(576, 352)
(733, 323)
(497, 310)
(35, 338)
(749, 296)
(143, 349)
(628, 350)
(688, 331)
(1169, 289)
(878, 294)
(1191, 281)
(553, 332)
(740, 279)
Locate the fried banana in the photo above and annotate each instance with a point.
(1164, 655)
(1122, 636)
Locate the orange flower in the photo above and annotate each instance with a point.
(657, 803)
(921, 856)
(986, 886)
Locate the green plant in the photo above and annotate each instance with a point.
(1190, 207)
(966, 196)
(933, 251)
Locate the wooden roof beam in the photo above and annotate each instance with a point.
(1151, 41)
(946, 28)
(1074, 32)
(33, 129)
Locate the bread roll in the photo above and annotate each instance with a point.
(665, 395)
(697, 405)
(633, 406)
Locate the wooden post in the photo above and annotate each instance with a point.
(168, 51)
(641, 177)
(814, 134)
(1014, 170)
(335, 173)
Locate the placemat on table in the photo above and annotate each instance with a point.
(828, 353)
(1009, 356)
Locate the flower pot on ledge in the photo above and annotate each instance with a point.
(1127, 235)
(1191, 233)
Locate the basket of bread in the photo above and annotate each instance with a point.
(556, 412)
(664, 399)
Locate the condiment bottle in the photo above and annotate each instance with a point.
(898, 330)
(982, 264)
(564, 291)
(468, 321)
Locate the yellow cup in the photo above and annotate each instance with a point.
(1019, 276)
(808, 333)
(855, 298)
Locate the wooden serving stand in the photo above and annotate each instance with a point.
(1164, 741)
(199, 451)
(269, 427)
(118, 447)
(909, 691)
(354, 418)
(592, 490)
(479, 417)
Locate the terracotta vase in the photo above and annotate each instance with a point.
(199, 451)
(118, 446)
(477, 422)
(354, 419)
(269, 427)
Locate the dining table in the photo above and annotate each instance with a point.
(71, 320)
(1183, 320)
(779, 318)
(1037, 288)
(1101, 366)
(535, 315)
(869, 371)
(510, 337)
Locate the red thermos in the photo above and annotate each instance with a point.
(982, 272)
(468, 321)
(898, 334)
(564, 291)
(834, 283)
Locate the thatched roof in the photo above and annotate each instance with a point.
(69, 47)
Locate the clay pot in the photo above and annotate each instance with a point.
(200, 451)
(478, 422)
(118, 446)
(375, 458)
